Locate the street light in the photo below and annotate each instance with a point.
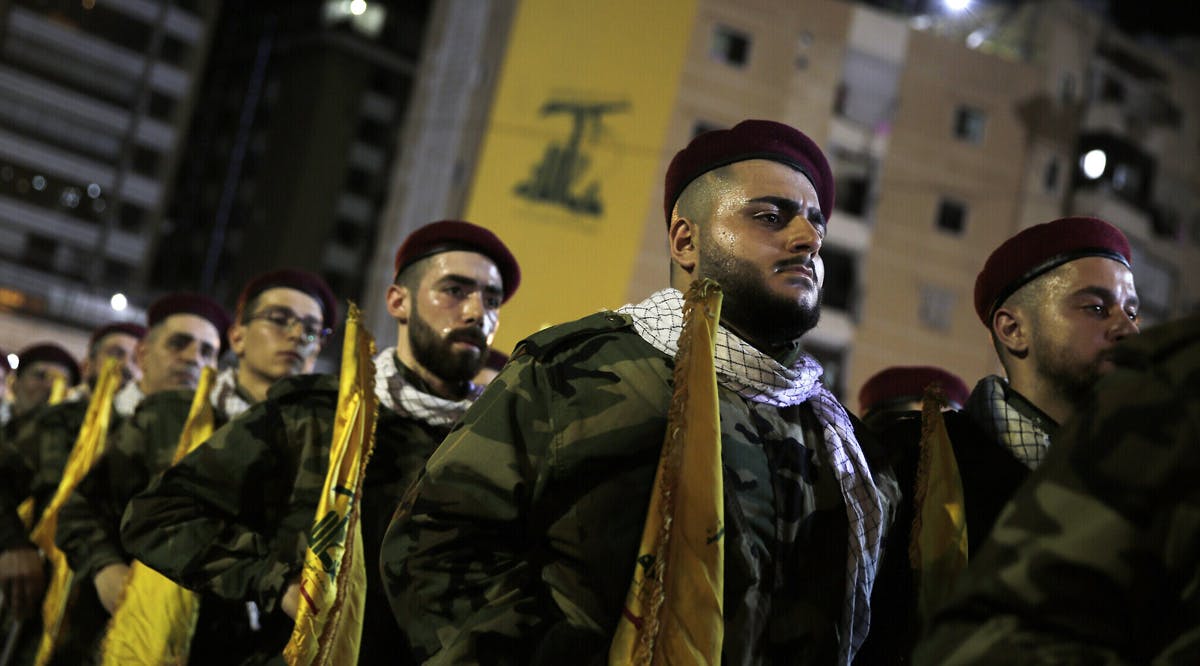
(118, 301)
(1093, 163)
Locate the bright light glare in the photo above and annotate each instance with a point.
(357, 7)
(956, 5)
(1093, 163)
(118, 301)
(14, 361)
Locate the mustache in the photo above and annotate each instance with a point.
(469, 335)
(797, 261)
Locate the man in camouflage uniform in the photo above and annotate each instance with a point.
(183, 335)
(282, 319)
(1095, 560)
(518, 543)
(115, 340)
(1056, 298)
(232, 519)
(39, 366)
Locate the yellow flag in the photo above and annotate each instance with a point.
(333, 583)
(673, 610)
(58, 390)
(88, 448)
(155, 619)
(938, 546)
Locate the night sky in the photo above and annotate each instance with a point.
(1167, 18)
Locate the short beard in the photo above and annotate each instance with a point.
(1073, 381)
(749, 305)
(437, 355)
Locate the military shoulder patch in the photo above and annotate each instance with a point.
(542, 344)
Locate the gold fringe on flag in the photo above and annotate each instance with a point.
(333, 583)
(938, 547)
(155, 618)
(88, 448)
(673, 610)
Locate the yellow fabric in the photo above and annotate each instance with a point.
(58, 390)
(938, 546)
(673, 610)
(88, 448)
(155, 619)
(333, 583)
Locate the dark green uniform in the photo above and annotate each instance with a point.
(232, 518)
(89, 522)
(32, 467)
(1096, 560)
(517, 544)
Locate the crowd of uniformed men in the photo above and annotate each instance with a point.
(501, 525)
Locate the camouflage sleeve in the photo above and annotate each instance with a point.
(202, 524)
(89, 522)
(15, 476)
(455, 559)
(1089, 562)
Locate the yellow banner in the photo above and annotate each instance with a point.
(570, 161)
(155, 619)
(333, 583)
(88, 448)
(673, 610)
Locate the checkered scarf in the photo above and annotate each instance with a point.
(397, 394)
(989, 406)
(759, 378)
(224, 395)
(128, 398)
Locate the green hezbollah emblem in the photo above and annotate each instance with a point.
(555, 179)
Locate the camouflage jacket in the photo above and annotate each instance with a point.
(32, 462)
(232, 518)
(1096, 559)
(517, 544)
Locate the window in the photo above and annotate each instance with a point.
(730, 46)
(936, 310)
(952, 216)
(969, 124)
(1050, 176)
(840, 278)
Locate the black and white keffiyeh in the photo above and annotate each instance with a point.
(224, 395)
(989, 406)
(759, 378)
(397, 394)
(128, 398)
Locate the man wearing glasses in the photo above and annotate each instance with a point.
(281, 321)
(232, 519)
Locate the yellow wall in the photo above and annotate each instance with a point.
(621, 55)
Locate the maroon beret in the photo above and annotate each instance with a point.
(908, 382)
(452, 235)
(1039, 249)
(48, 352)
(293, 278)
(183, 302)
(126, 327)
(750, 140)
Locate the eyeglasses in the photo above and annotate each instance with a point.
(284, 319)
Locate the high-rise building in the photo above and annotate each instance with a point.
(290, 161)
(95, 100)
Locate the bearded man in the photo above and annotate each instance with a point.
(1056, 298)
(521, 539)
(231, 519)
